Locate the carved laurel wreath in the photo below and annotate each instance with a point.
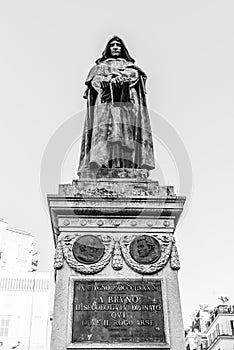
(117, 250)
(167, 244)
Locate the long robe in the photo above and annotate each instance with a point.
(117, 131)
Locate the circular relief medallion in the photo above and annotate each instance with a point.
(145, 249)
(88, 249)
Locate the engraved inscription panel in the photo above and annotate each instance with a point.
(118, 311)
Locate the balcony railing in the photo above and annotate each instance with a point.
(221, 309)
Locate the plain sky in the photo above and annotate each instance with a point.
(187, 50)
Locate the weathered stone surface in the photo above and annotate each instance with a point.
(112, 188)
(116, 218)
(115, 173)
(63, 310)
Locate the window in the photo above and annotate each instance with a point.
(4, 327)
(217, 329)
(204, 344)
(21, 252)
(232, 327)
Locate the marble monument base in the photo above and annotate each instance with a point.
(116, 265)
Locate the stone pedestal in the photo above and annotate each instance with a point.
(116, 265)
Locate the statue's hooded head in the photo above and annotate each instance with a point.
(107, 51)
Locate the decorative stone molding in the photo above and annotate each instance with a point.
(117, 260)
(115, 251)
(58, 258)
(175, 262)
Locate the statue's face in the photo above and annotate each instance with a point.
(115, 48)
(143, 249)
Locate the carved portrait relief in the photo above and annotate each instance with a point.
(145, 249)
(88, 249)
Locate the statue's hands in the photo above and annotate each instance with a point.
(118, 81)
(105, 82)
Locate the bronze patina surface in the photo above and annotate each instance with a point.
(117, 131)
(145, 249)
(88, 249)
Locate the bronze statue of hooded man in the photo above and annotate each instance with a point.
(117, 131)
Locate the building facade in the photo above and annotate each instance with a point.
(212, 330)
(16, 249)
(24, 294)
(220, 328)
(195, 337)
